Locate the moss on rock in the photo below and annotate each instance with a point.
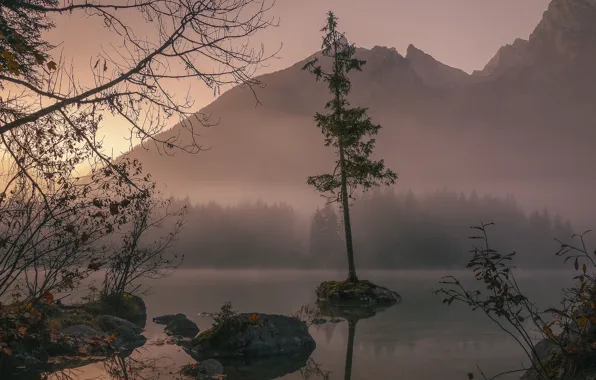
(360, 292)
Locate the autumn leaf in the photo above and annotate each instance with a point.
(48, 297)
(53, 325)
(7, 351)
(581, 321)
(254, 318)
(114, 208)
(548, 331)
(84, 350)
(52, 65)
(110, 338)
(39, 58)
(22, 330)
(7, 55)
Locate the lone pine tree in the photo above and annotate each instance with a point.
(348, 130)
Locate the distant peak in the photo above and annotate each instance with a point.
(413, 50)
(433, 72)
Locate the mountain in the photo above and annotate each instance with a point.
(508, 57)
(522, 125)
(434, 73)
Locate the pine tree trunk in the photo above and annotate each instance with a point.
(350, 350)
(347, 223)
(344, 187)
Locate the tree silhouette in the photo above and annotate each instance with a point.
(349, 130)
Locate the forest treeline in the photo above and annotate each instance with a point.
(391, 230)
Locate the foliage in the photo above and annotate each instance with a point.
(312, 369)
(307, 314)
(129, 80)
(135, 258)
(34, 332)
(348, 130)
(569, 329)
(226, 313)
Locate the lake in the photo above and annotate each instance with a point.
(420, 338)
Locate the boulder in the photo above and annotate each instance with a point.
(82, 331)
(253, 335)
(357, 293)
(182, 326)
(128, 335)
(166, 319)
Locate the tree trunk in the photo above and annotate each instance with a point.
(350, 350)
(347, 223)
(345, 201)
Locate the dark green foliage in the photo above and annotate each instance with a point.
(344, 128)
(226, 314)
(326, 242)
(566, 348)
(349, 130)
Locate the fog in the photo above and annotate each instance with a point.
(391, 231)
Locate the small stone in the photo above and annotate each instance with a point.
(167, 319)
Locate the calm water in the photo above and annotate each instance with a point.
(418, 339)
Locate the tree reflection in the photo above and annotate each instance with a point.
(352, 313)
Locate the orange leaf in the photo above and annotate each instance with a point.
(548, 331)
(22, 330)
(254, 318)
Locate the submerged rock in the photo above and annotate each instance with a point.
(206, 370)
(357, 293)
(182, 326)
(254, 335)
(267, 368)
(211, 367)
(167, 319)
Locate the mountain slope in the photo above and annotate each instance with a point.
(525, 124)
(434, 73)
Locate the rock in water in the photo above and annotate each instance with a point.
(361, 292)
(211, 367)
(182, 326)
(127, 333)
(253, 335)
(166, 319)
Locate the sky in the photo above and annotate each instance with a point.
(461, 33)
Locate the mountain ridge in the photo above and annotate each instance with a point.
(526, 118)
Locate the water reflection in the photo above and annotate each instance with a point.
(352, 314)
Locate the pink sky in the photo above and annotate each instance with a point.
(461, 33)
